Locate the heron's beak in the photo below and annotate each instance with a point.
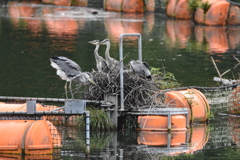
(90, 80)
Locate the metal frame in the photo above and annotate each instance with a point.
(71, 107)
(165, 112)
(121, 61)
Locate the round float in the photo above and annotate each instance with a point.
(194, 100)
(160, 123)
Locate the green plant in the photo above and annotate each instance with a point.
(99, 120)
(190, 98)
(195, 4)
(164, 80)
(205, 6)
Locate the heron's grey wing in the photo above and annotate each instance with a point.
(71, 63)
(138, 67)
(66, 65)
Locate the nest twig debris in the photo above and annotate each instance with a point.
(139, 92)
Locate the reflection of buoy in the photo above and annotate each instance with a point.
(192, 99)
(176, 142)
(234, 101)
(234, 123)
(149, 122)
(162, 138)
(25, 137)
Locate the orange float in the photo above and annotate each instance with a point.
(62, 2)
(194, 100)
(132, 6)
(150, 5)
(25, 137)
(182, 10)
(58, 2)
(170, 8)
(113, 5)
(217, 14)
(150, 122)
(234, 15)
(199, 16)
(4, 107)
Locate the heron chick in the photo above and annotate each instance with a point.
(70, 71)
(141, 68)
(100, 61)
(112, 63)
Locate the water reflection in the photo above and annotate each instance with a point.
(33, 32)
(60, 22)
(217, 37)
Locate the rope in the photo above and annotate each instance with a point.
(202, 88)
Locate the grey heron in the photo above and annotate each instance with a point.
(70, 71)
(141, 68)
(100, 61)
(112, 63)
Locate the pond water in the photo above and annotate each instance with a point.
(31, 33)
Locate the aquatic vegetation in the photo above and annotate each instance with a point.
(195, 4)
(99, 120)
(163, 79)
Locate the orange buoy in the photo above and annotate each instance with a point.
(113, 5)
(56, 138)
(234, 15)
(194, 100)
(199, 16)
(149, 122)
(182, 10)
(132, 6)
(170, 8)
(25, 137)
(150, 5)
(217, 14)
(23, 107)
(11, 107)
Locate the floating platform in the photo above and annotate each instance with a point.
(25, 137)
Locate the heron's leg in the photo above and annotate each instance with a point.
(70, 87)
(65, 87)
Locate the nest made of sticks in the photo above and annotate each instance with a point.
(139, 92)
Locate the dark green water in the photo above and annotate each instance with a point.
(32, 33)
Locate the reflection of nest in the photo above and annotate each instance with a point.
(139, 92)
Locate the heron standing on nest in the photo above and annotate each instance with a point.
(100, 61)
(112, 63)
(70, 71)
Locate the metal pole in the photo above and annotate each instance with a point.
(121, 61)
(87, 115)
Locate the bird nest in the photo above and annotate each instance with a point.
(139, 92)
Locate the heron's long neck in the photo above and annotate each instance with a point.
(107, 56)
(96, 50)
